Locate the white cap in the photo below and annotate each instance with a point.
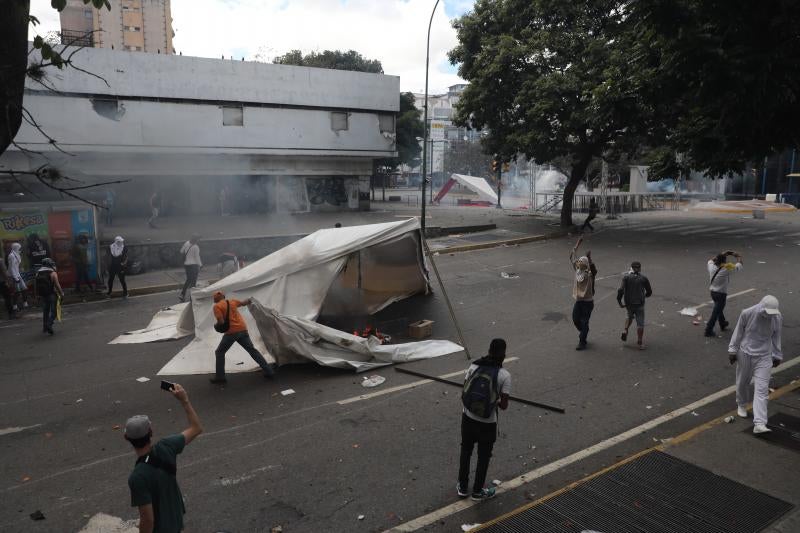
(770, 304)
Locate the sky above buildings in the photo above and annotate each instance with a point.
(392, 31)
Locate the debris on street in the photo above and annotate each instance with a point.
(372, 381)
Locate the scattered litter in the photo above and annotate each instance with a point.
(276, 529)
(355, 445)
(240, 363)
(372, 381)
(694, 413)
(361, 517)
(762, 262)
(287, 392)
(508, 275)
(648, 406)
(696, 322)
(116, 426)
(636, 384)
(26, 478)
(79, 400)
(688, 311)
(469, 527)
(729, 419)
(37, 515)
(496, 482)
(771, 390)
(142, 379)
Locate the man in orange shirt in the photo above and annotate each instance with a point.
(236, 332)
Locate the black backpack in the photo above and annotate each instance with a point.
(480, 394)
(44, 284)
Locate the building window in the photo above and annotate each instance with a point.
(133, 48)
(386, 123)
(87, 13)
(339, 121)
(132, 28)
(232, 115)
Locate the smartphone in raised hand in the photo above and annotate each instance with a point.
(167, 385)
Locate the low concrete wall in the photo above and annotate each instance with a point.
(164, 255)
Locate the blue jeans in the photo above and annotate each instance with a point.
(581, 313)
(243, 338)
(719, 298)
(48, 311)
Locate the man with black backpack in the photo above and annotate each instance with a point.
(47, 289)
(487, 386)
(234, 329)
(153, 485)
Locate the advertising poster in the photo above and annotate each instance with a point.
(58, 231)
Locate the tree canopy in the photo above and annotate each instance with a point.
(549, 78)
(332, 59)
(725, 75)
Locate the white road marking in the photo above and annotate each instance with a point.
(692, 232)
(734, 295)
(663, 227)
(793, 235)
(103, 523)
(230, 481)
(448, 510)
(9, 431)
(407, 386)
(732, 231)
(762, 233)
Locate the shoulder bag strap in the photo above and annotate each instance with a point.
(714, 277)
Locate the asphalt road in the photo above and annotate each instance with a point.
(311, 462)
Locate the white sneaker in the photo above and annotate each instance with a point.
(741, 411)
(761, 428)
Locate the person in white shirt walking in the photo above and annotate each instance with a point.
(14, 270)
(756, 348)
(719, 271)
(191, 263)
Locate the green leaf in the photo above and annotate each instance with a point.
(98, 3)
(56, 59)
(108, 5)
(58, 5)
(38, 42)
(47, 51)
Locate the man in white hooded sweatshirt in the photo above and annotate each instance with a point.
(14, 270)
(755, 348)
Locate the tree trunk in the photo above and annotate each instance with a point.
(575, 176)
(13, 64)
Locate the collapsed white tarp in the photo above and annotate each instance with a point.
(478, 185)
(163, 326)
(340, 272)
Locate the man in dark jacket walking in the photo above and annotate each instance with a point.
(635, 288)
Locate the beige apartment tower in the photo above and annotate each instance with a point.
(132, 25)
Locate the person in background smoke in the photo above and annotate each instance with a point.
(6, 283)
(80, 259)
(223, 201)
(592, 215)
(191, 264)
(117, 265)
(155, 204)
(20, 288)
(37, 250)
(108, 203)
(228, 264)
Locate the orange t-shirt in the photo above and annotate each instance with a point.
(237, 323)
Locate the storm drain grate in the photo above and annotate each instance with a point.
(655, 493)
(785, 431)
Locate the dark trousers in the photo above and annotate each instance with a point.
(82, 276)
(112, 272)
(719, 298)
(8, 298)
(484, 435)
(243, 338)
(581, 313)
(192, 271)
(588, 222)
(48, 311)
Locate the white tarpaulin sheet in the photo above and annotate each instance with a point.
(478, 185)
(162, 327)
(339, 272)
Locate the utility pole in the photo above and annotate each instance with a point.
(499, 180)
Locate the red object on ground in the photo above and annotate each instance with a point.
(444, 190)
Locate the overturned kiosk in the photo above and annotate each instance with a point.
(337, 275)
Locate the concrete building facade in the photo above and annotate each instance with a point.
(131, 25)
(200, 131)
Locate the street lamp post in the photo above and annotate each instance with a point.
(425, 121)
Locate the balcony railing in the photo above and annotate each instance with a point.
(77, 38)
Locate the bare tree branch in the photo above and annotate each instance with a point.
(28, 117)
(44, 174)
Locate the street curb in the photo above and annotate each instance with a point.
(496, 244)
(136, 291)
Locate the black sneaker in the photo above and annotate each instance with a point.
(462, 493)
(218, 381)
(724, 325)
(484, 494)
(581, 346)
(710, 334)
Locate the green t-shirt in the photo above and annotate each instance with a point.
(150, 484)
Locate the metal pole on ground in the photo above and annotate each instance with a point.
(446, 297)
